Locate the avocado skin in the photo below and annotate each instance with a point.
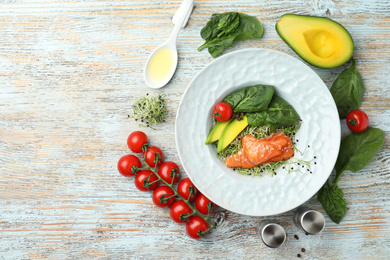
(303, 55)
(216, 132)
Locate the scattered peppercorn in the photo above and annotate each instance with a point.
(296, 237)
(299, 255)
(303, 250)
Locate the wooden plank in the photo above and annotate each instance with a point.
(69, 74)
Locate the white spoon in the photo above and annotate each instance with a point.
(162, 63)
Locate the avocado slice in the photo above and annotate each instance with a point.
(231, 131)
(320, 41)
(216, 132)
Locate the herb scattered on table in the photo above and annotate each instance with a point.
(224, 29)
(356, 151)
(347, 90)
(149, 111)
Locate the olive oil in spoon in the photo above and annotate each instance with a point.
(162, 63)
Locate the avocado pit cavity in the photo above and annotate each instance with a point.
(320, 42)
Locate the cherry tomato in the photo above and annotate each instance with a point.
(202, 204)
(184, 187)
(195, 226)
(222, 112)
(162, 193)
(357, 121)
(150, 156)
(136, 141)
(167, 170)
(179, 209)
(126, 163)
(146, 180)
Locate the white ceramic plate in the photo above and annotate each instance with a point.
(296, 83)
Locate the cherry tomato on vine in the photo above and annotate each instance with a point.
(357, 121)
(202, 204)
(150, 156)
(136, 141)
(222, 112)
(163, 193)
(195, 226)
(185, 187)
(167, 170)
(179, 209)
(146, 180)
(126, 163)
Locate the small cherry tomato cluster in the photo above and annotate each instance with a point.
(159, 176)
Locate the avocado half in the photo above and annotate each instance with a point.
(320, 41)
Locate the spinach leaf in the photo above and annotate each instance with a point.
(223, 29)
(347, 90)
(358, 149)
(228, 24)
(279, 113)
(250, 99)
(331, 198)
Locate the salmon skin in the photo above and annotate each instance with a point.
(254, 152)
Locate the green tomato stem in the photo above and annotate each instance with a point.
(194, 211)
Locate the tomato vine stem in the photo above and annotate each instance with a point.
(187, 201)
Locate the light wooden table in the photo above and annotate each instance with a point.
(69, 72)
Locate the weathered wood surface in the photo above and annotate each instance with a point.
(69, 72)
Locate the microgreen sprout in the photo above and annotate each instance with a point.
(149, 111)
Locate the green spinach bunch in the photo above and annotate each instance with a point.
(223, 29)
(279, 113)
(262, 107)
(250, 99)
(356, 151)
(347, 90)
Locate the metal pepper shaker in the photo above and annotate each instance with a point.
(273, 235)
(311, 221)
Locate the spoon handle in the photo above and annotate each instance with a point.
(184, 9)
(174, 34)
